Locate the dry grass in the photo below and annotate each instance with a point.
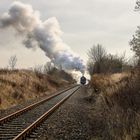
(116, 112)
(19, 85)
(102, 81)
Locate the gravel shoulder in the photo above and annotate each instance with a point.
(71, 121)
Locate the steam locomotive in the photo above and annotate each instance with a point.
(83, 80)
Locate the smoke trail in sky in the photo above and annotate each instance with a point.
(44, 34)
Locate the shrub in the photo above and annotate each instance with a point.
(117, 110)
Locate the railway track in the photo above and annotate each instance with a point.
(19, 125)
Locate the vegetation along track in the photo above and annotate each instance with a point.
(19, 124)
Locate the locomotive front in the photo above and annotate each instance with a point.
(83, 80)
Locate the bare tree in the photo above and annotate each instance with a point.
(133, 61)
(137, 7)
(90, 67)
(48, 67)
(101, 62)
(12, 61)
(96, 54)
(135, 44)
(38, 69)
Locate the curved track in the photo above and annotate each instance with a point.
(19, 124)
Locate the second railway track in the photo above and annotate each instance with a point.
(19, 124)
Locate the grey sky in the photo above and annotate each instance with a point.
(84, 23)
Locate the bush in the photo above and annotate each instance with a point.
(117, 110)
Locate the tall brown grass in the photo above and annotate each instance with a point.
(116, 112)
(16, 86)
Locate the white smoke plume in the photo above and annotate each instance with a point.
(44, 34)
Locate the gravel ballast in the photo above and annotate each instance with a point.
(26, 103)
(71, 121)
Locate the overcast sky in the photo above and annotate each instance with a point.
(83, 22)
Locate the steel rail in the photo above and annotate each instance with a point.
(34, 125)
(25, 109)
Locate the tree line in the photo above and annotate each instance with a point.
(99, 61)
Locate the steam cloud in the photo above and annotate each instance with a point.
(46, 35)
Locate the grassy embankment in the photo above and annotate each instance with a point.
(17, 86)
(116, 110)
